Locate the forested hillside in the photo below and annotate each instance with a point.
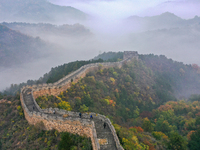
(141, 100)
(151, 101)
(182, 80)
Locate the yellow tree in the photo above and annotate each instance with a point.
(64, 105)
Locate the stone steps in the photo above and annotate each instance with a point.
(108, 147)
(104, 133)
(29, 103)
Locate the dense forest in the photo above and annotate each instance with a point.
(152, 102)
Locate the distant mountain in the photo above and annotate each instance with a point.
(49, 29)
(17, 48)
(195, 20)
(37, 11)
(165, 20)
(180, 43)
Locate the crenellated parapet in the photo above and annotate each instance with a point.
(70, 121)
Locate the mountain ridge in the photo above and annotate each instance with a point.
(38, 29)
(38, 11)
(165, 20)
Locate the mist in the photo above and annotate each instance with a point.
(108, 27)
(118, 9)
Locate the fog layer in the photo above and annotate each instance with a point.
(113, 25)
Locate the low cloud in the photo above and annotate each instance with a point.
(115, 9)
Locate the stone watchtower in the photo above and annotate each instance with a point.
(130, 54)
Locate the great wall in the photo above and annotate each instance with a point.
(102, 139)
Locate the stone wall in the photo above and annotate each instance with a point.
(71, 123)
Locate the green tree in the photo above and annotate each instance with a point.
(87, 100)
(147, 125)
(128, 78)
(176, 142)
(66, 142)
(163, 125)
(1, 96)
(136, 112)
(83, 108)
(197, 123)
(194, 141)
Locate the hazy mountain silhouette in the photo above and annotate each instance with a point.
(165, 20)
(40, 29)
(37, 11)
(17, 48)
(173, 42)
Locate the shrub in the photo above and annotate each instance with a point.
(64, 105)
(83, 108)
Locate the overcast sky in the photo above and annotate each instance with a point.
(125, 8)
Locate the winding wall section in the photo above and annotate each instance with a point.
(70, 121)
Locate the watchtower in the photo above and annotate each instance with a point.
(130, 54)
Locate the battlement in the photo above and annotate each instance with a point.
(67, 120)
